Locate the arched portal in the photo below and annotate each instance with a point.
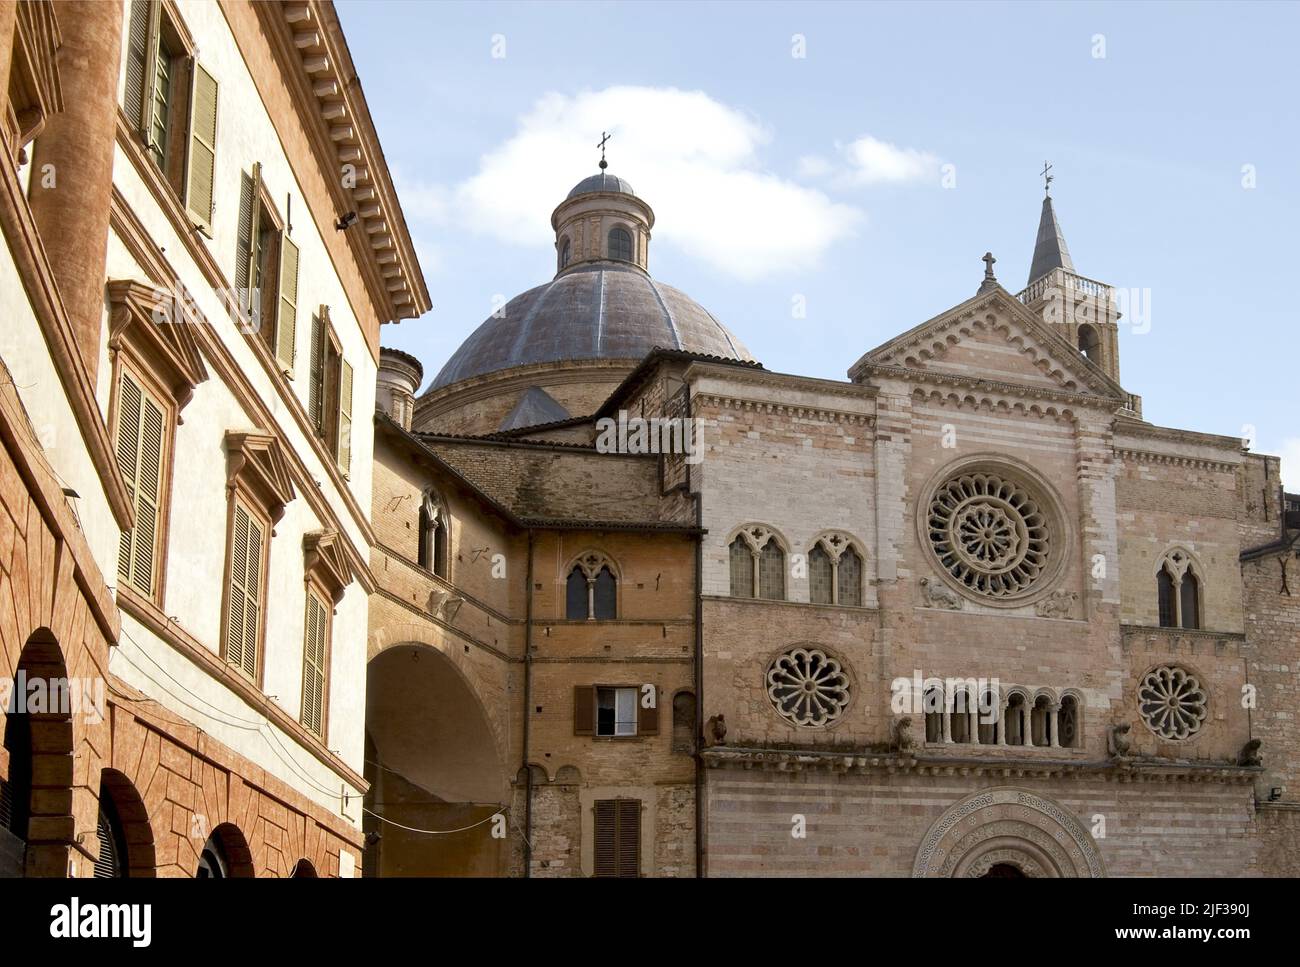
(36, 792)
(126, 841)
(433, 764)
(1008, 827)
(225, 855)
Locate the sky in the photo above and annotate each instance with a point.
(855, 161)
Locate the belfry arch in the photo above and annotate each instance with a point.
(433, 763)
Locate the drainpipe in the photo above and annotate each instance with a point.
(699, 690)
(528, 704)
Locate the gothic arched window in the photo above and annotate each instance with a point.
(575, 596)
(771, 572)
(1189, 601)
(604, 598)
(433, 535)
(564, 254)
(821, 576)
(1165, 592)
(742, 569)
(620, 244)
(849, 579)
(1040, 721)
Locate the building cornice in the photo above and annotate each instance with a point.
(1176, 460)
(307, 42)
(819, 413)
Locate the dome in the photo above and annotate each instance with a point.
(594, 310)
(601, 182)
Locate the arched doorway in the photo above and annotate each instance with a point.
(433, 764)
(225, 855)
(126, 842)
(1003, 871)
(36, 792)
(303, 870)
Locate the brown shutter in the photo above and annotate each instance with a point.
(629, 837)
(286, 318)
(201, 153)
(245, 592)
(584, 709)
(313, 667)
(129, 400)
(606, 837)
(141, 436)
(647, 719)
(345, 418)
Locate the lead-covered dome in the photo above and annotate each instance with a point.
(595, 310)
(601, 182)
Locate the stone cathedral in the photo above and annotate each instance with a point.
(962, 613)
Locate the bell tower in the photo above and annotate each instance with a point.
(1082, 310)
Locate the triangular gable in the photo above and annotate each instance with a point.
(158, 323)
(323, 559)
(992, 337)
(256, 460)
(534, 408)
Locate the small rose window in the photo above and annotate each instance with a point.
(807, 687)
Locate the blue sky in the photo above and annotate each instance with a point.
(822, 177)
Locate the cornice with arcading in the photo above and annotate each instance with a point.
(1022, 767)
(1012, 390)
(820, 413)
(998, 403)
(1175, 460)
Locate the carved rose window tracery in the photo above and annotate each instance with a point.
(989, 533)
(1172, 702)
(807, 687)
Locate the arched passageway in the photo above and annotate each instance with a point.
(432, 764)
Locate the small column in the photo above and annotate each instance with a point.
(1053, 724)
(1002, 722)
(947, 718)
(591, 599)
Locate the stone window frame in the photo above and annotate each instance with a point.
(757, 536)
(258, 480)
(1178, 561)
(630, 232)
(34, 77)
(836, 543)
(433, 508)
(149, 339)
(590, 563)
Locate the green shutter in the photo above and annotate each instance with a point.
(201, 157)
(286, 322)
(141, 435)
(313, 666)
(138, 63)
(248, 249)
(245, 592)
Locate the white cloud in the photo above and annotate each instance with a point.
(695, 160)
(870, 161)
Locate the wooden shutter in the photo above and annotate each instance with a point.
(584, 710)
(139, 63)
(201, 153)
(647, 719)
(617, 837)
(248, 249)
(243, 619)
(629, 837)
(141, 437)
(286, 319)
(313, 665)
(345, 418)
(316, 382)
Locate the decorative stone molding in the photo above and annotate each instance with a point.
(820, 414)
(1058, 604)
(324, 561)
(305, 36)
(256, 463)
(158, 326)
(937, 595)
(1000, 403)
(1175, 460)
(1051, 840)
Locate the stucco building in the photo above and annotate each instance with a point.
(963, 613)
(201, 244)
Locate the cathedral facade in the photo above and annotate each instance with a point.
(963, 613)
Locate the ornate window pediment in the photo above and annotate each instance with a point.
(256, 463)
(325, 562)
(155, 325)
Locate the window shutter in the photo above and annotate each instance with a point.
(629, 837)
(647, 719)
(584, 710)
(313, 668)
(245, 592)
(141, 429)
(316, 384)
(201, 158)
(247, 251)
(138, 63)
(606, 838)
(345, 418)
(286, 320)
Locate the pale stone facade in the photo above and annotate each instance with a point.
(979, 507)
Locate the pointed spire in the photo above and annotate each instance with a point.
(1049, 251)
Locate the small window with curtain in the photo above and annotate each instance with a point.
(620, 245)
